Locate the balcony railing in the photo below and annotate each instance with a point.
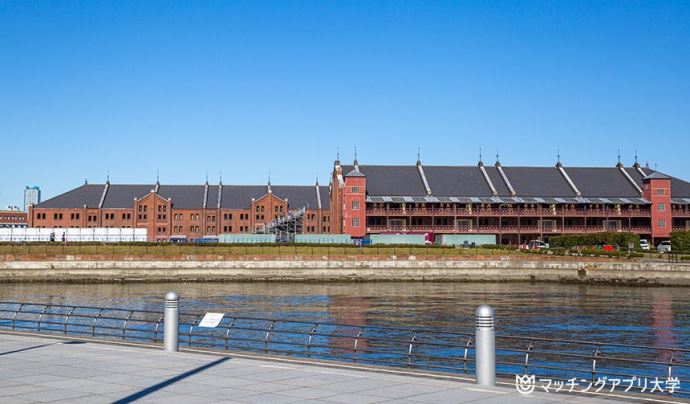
(680, 213)
(515, 212)
(507, 229)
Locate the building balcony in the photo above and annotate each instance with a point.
(495, 229)
(515, 212)
(680, 213)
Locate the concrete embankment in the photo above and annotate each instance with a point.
(566, 271)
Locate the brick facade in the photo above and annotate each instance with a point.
(164, 220)
(658, 191)
(13, 218)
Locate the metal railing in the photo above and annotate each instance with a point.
(524, 212)
(439, 350)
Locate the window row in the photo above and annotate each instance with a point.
(262, 209)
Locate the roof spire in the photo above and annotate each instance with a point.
(269, 183)
(157, 177)
(317, 180)
(206, 177)
(419, 160)
(356, 162)
(637, 163)
(220, 177)
(558, 158)
(481, 163)
(86, 182)
(337, 155)
(498, 161)
(619, 164)
(107, 177)
(646, 164)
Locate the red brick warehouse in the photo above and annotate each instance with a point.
(516, 204)
(512, 204)
(184, 211)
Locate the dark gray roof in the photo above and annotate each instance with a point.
(212, 198)
(498, 182)
(635, 175)
(607, 182)
(300, 196)
(325, 197)
(456, 181)
(183, 196)
(187, 196)
(392, 180)
(680, 188)
(240, 196)
(87, 194)
(538, 181)
(122, 195)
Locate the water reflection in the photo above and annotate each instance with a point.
(647, 316)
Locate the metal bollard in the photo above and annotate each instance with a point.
(485, 346)
(171, 322)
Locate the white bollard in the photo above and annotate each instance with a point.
(171, 322)
(485, 346)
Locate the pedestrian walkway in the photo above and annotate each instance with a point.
(43, 369)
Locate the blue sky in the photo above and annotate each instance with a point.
(249, 88)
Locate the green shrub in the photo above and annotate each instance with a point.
(680, 241)
(592, 239)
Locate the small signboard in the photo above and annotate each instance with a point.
(211, 320)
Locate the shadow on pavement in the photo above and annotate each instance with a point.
(156, 387)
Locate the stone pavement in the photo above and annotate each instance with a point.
(43, 369)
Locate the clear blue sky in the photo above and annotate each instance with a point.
(249, 88)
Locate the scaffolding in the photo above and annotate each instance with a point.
(285, 227)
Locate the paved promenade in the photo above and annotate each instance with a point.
(41, 369)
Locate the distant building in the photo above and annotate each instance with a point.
(32, 196)
(13, 217)
(186, 212)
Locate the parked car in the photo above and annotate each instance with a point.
(664, 247)
(644, 244)
(538, 245)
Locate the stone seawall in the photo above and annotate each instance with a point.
(566, 271)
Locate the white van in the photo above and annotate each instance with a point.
(644, 244)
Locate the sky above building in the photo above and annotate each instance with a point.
(251, 88)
